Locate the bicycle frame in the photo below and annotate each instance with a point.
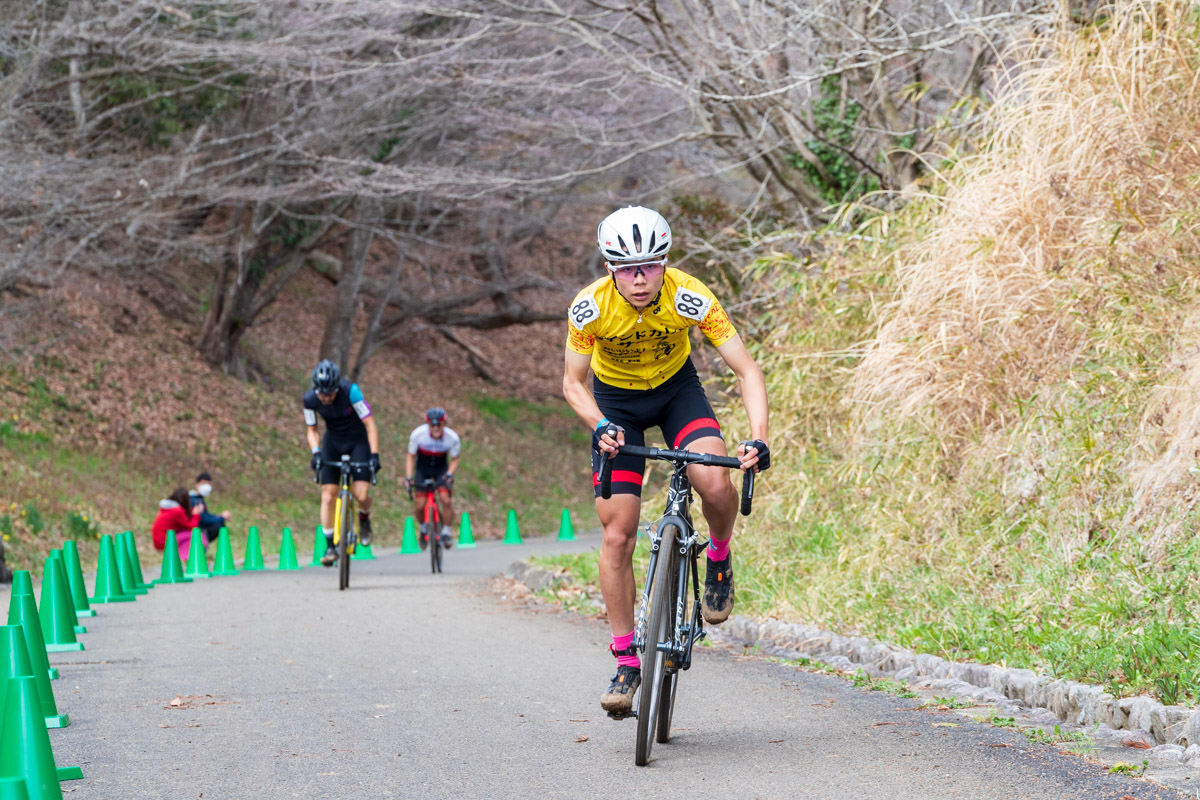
(433, 521)
(686, 632)
(343, 516)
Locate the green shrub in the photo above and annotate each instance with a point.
(82, 526)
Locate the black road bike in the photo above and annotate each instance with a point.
(669, 621)
(345, 535)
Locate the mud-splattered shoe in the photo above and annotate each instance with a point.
(618, 700)
(718, 591)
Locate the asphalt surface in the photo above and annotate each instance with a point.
(275, 685)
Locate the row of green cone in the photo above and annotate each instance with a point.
(27, 767)
(29, 709)
(466, 538)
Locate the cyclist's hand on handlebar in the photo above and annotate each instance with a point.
(754, 454)
(448, 480)
(375, 463)
(408, 484)
(315, 464)
(607, 437)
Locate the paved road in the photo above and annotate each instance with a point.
(411, 685)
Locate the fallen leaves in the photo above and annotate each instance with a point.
(194, 700)
(581, 739)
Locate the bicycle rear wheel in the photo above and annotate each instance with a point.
(659, 622)
(345, 520)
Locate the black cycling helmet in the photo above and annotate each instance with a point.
(435, 415)
(325, 377)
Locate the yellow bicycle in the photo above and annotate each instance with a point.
(345, 534)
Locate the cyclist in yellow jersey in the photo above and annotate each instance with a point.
(631, 329)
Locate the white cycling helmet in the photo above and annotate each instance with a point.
(633, 233)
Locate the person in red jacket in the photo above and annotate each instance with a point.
(174, 514)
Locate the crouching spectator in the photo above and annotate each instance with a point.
(174, 514)
(210, 524)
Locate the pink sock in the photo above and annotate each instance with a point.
(718, 549)
(622, 643)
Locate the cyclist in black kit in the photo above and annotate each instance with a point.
(349, 430)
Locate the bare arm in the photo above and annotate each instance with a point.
(752, 387)
(583, 403)
(372, 433)
(575, 390)
(453, 466)
(314, 438)
(410, 464)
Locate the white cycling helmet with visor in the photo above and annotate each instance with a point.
(633, 234)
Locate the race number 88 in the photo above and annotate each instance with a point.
(689, 304)
(582, 312)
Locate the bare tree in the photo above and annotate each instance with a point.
(234, 133)
(818, 101)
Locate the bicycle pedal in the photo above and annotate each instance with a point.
(622, 714)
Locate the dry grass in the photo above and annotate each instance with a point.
(1088, 179)
(983, 403)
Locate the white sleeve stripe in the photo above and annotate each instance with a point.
(310, 417)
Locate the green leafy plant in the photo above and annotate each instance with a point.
(80, 525)
(33, 519)
(946, 702)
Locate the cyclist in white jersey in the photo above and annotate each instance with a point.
(433, 451)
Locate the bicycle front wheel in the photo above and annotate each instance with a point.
(659, 622)
(346, 519)
(670, 678)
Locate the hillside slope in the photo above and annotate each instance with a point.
(986, 408)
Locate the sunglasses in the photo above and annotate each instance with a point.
(629, 272)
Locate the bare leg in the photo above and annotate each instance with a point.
(619, 517)
(362, 495)
(328, 498)
(719, 500)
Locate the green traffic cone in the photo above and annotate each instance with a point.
(22, 582)
(15, 663)
(67, 601)
(22, 613)
(25, 743)
(511, 534)
(287, 551)
(75, 579)
(135, 562)
(172, 567)
(318, 548)
(57, 553)
(54, 617)
(223, 560)
(108, 576)
(566, 531)
(466, 537)
(14, 789)
(197, 565)
(254, 557)
(408, 545)
(125, 566)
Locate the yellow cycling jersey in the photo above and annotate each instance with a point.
(634, 350)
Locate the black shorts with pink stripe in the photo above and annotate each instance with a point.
(678, 407)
